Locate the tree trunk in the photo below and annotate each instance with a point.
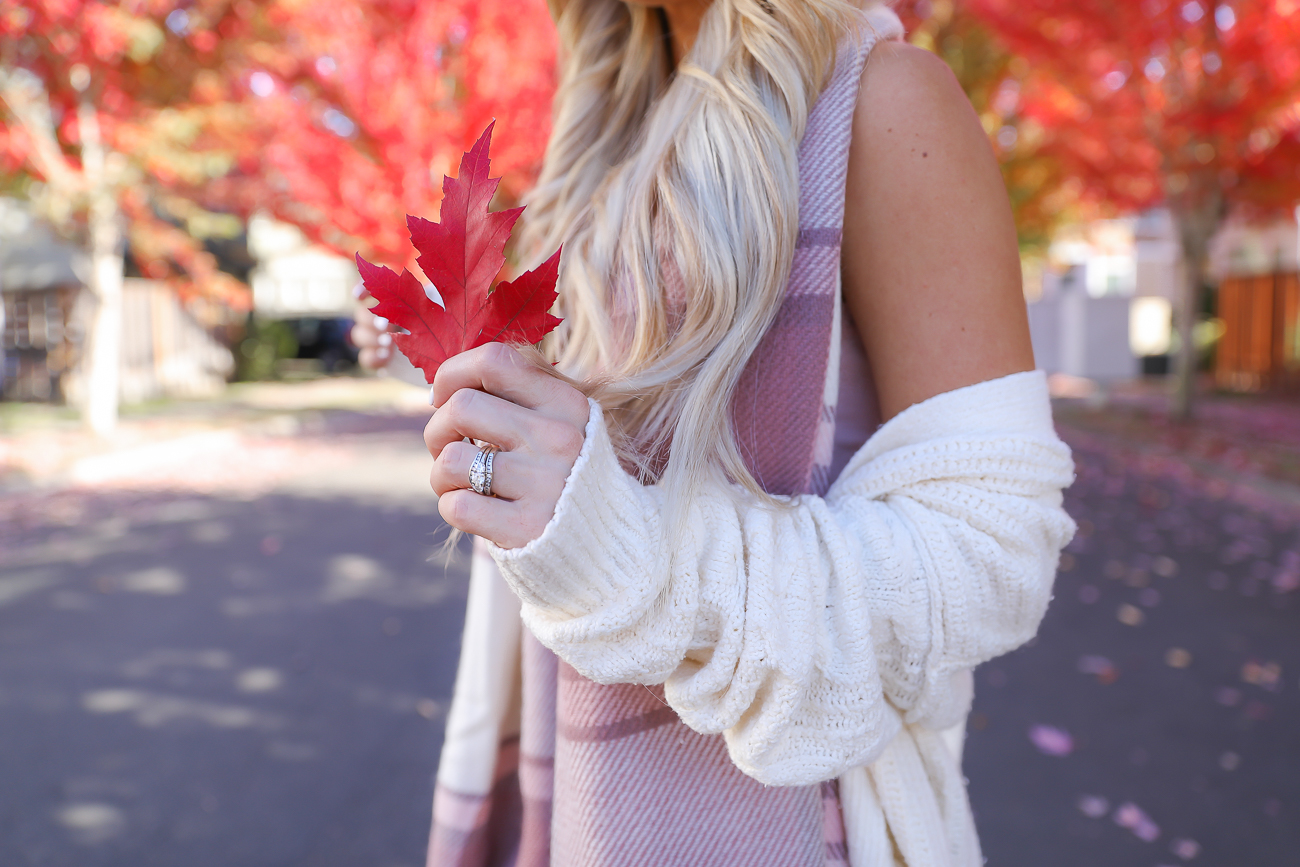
(1195, 229)
(1185, 315)
(105, 356)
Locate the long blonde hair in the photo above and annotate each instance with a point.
(676, 196)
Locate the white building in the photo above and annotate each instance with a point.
(296, 279)
(1104, 310)
(1105, 302)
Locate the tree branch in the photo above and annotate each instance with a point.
(25, 95)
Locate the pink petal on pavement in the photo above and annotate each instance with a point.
(1131, 816)
(1051, 741)
(1093, 806)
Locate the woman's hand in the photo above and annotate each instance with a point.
(496, 395)
(370, 335)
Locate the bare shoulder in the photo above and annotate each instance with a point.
(912, 112)
(931, 262)
(899, 66)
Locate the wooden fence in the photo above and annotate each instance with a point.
(167, 350)
(40, 342)
(1260, 346)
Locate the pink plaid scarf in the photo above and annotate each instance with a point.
(608, 776)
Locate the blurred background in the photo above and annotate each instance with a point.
(227, 635)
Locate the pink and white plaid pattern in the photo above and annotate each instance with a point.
(608, 776)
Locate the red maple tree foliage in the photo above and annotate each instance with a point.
(375, 102)
(337, 117)
(106, 114)
(462, 254)
(1183, 103)
(1147, 101)
(145, 77)
(332, 116)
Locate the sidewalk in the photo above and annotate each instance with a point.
(254, 438)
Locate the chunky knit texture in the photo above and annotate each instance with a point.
(810, 634)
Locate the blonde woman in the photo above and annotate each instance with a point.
(810, 480)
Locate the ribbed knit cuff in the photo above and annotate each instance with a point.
(1017, 404)
(596, 544)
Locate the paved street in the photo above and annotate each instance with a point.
(254, 671)
(1154, 720)
(254, 674)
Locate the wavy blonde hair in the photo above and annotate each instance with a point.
(675, 193)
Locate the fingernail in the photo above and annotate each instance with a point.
(431, 395)
(385, 339)
(381, 323)
(358, 290)
(382, 352)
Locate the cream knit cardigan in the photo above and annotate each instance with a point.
(835, 636)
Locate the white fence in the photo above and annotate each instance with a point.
(166, 352)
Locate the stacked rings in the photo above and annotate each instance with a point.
(480, 471)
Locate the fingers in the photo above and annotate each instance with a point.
(373, 359)
(488, 418)
(368, 330)
(371, 338)
(504, 372)
(495, 394)
(514, 475)
(508, 524)
(480, 416)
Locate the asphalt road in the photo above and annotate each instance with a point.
(1156, 719)
(259, 680)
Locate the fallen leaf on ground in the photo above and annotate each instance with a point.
(1051, 741)
(1131, 816)
(1093, 806)
(1130, 615)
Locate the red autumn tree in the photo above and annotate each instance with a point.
(338, 117)
(376, 102)
(990, 74)
(1178, 103)
(107, 104)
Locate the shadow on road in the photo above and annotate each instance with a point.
(255, 672)
(213, 681)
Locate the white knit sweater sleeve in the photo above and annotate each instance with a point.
(803, 632)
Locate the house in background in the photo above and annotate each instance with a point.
(1103, 309)
(1081, 305)
(167, 350)
(42, 286)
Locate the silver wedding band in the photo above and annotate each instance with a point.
(480, 471)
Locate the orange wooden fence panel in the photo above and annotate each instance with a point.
(1260, 346)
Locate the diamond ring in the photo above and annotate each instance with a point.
(480, 471)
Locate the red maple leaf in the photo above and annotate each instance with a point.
(461, 255)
